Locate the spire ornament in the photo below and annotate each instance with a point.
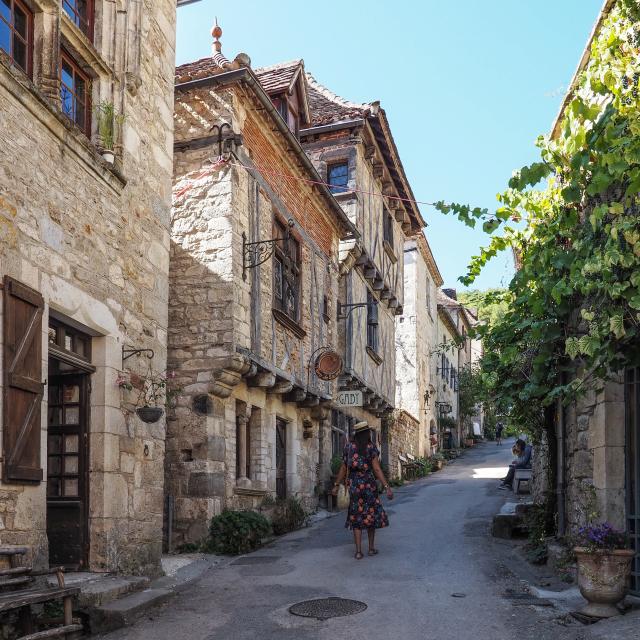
(216, 49)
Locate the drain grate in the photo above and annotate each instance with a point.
(325, 608)
(250, 560)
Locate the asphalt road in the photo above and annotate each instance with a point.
(438, 545)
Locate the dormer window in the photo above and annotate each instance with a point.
(288, 110)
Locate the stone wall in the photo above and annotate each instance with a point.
(94, 241)
(595, 457)
(403, 437)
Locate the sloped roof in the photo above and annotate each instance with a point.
(197, 69)
(279, 77)
(329, 108)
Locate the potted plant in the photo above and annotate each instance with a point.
(109, 123)
(604, 566)
(152, 393)
(437, 461)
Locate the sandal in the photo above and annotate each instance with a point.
(359, 555)
(373, 552)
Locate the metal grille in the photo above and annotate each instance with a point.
(632, 402)
(325, 608)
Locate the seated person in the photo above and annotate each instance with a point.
(523, 452)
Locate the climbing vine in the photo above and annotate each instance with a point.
(573, 315)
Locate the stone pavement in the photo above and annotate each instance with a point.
(438, 545)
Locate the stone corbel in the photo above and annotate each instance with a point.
(281, 387)
(227, 373)
(262, 379)
(378, 170)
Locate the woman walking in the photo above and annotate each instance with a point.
(360, 467)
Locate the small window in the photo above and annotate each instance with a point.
(16, 33)
(286, 272)
(325, 308)
(338, 177)
(388, 228)
(81, 14)
(74, 93)
(372, 322)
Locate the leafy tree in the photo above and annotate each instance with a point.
(491, 304)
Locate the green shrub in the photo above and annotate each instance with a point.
(424, 467)
(289, 515)
(234, 532)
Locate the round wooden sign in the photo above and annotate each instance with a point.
(328, 365)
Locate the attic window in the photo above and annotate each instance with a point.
(288, 110)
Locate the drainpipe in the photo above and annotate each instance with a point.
(560, 469)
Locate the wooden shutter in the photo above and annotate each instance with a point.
(23, 387)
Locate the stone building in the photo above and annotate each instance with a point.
(84, 257)
(416, 340)
(255, 263)
(596, 449)
(354, 152)
(446, 357)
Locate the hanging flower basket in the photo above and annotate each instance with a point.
(149, 414)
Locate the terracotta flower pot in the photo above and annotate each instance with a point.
(603, 577)
(149, 414)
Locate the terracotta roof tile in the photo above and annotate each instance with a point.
(279, 77)
(197, 69)
(328, 108)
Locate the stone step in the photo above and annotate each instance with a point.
(97, 589)
(127, 610)
(510, 521)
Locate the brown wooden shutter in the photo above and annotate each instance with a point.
(23, 387)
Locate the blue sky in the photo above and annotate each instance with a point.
(468, 85)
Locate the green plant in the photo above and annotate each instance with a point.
(234, 532)
(289, 514)
(570, 219)
(424, 467)
(109, 124)
(188, 547)
(447, 422)
(539, 528)
(336, 463)
(396, 482)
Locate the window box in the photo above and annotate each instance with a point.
(389, 251)
(289, 323)
(374, 356)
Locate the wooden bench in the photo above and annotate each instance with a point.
(18, 593)
(522, 475)
(408, 465)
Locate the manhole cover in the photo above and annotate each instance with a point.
(249, 560)
(325, 608)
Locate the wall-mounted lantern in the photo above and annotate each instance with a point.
(257, 253)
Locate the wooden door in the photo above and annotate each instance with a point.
(632, 405)
(281, 458)
(67, 465)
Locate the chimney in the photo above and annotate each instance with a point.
(451, 293)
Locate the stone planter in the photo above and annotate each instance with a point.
(603, 577)
(436, 465)
(149, 414)
(108, 156)
(469, 442)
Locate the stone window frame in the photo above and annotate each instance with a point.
(333, 157)
(54, 30)
(28, 68)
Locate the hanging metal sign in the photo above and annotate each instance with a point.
(328, 365)
(349, 398)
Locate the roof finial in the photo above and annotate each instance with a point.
(216, 32)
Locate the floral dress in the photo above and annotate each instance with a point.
(365, 506)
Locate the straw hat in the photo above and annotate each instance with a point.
(360, 426)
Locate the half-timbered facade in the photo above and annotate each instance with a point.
(254, 291)
(84, 248)
(352, 147)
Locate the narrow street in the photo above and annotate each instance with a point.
(438, 545)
